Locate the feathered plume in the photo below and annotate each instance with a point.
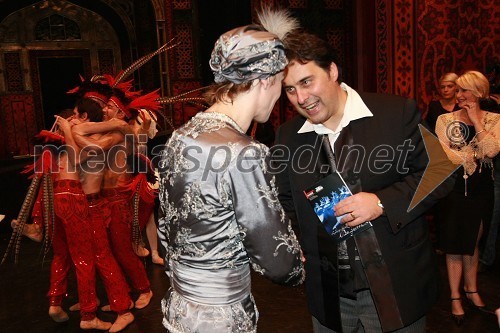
(148, 101)
(182, 98)
(279, 22)
(141, 61)
(113, 82)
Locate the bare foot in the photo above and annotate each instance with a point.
(32, 231)
(107, 308)
(143, 300)
(95, 324)
(121, 322)
(456, 306)
(140, 250)
(76, 306)
(156, 259)
(474, 298)
(58, 314)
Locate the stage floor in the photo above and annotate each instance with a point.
(282, 309)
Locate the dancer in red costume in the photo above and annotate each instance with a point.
(144, 128)
(116, 180)
(111, 274)
(72, 218)
(34, 231)
(91, 177)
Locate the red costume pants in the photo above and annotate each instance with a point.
(71, 242)
(120, 233)
(110, 272)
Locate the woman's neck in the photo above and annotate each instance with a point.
(240, 114)
(448, 104)
(464, 117)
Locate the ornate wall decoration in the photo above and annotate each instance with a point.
(333, 4)
(297, 3)
(454, 37)
(14, 77)
(18, 123)
(185, 66)
(336, 37)
(57, 27)
(182, 112)
(383, 35)
(106, 61)
(182, 4)
(404, 50)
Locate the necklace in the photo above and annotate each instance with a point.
(221, 117)
(461, 139)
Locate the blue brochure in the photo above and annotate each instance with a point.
(323, 196)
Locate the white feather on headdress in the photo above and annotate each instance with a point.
(279, 22)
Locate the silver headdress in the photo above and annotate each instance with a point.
(252, 52)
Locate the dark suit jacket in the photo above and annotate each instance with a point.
(402, 236)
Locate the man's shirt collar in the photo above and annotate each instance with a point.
(354, 109)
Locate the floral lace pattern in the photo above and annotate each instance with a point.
(450, 131)
(221, 216)
(231, 318)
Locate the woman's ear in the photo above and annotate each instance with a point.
(266, 83)
(84, 116)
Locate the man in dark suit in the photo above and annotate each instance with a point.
(384, 278)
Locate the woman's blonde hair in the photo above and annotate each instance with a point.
(475, 82)
(448, 77)
(225, 92)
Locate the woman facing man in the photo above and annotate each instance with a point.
(220, 205)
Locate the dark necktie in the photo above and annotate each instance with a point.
(374, 266)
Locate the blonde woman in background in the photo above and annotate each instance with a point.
(470, 137)
(447, 101)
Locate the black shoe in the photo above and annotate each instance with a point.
(458, 318)
(482, 308)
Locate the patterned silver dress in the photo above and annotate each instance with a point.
(221, 216)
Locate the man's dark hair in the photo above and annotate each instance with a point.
(89, 86)
(91, 107)
(65, 113)
(303, 47)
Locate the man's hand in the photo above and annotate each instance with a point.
(145, 119)
(74, 121)
(64, 124)
(359, 208)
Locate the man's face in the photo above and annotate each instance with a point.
(77, 117)
(312, 90)
(110, 111)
